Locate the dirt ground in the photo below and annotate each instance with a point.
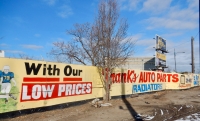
(158, 106)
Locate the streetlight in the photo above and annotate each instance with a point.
(175, 57)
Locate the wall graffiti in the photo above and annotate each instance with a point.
(187, 82)
(8, 89)
(196, 80)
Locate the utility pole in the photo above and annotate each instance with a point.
(175, 59)
(192, 54)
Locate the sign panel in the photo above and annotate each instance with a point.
(28, 84)
(160, 43)
(160, 60)
(161, 56)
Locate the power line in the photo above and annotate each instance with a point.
(196, 35)
(184, 42)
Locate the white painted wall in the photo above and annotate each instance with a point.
(2, 54)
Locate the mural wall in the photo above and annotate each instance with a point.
(28, 84)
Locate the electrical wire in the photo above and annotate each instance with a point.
(184, 42)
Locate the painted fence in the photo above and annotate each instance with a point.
(40, 83)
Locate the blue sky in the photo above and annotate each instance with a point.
(31, 26)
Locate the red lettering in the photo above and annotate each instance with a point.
(164, 77)
(117, 78)
(148, 77)
(112, 76)
(145, 77)
(169, 77)
(161, 77)
(123, 77)
(32, 92)
(158, 77)
(153, 77)
(175, 78)
(141, 78)
(129, 76)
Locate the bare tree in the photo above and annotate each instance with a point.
(27, 57)
(103, 43)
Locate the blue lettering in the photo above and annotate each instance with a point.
(149, 87)
(160, 86)
(156, 87)
(135, 88)
(146, 87)
(139, 88)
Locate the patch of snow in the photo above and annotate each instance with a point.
(193, 117)
(161, 111)
(106, 104)
(146, 117)
(149, 118)
(179, 108)
(187, 106)
(138, 117)
(95, 100)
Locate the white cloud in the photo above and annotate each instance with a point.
(3, 44)
(173, 34)
(183, 14)
(65, 11)
(146, 42)
(169, 23)
(129, 4)
(60, 39)
(155, 6)
(144, 48)
(50, 2)
(16, 38)
(14, 51)
(37, 35)
(193, 4)
(175, 18)
(34, 47)
(135, 37)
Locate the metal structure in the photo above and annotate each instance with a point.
(160, 50)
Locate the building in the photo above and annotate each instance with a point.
(141, 63)
(2, 54)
